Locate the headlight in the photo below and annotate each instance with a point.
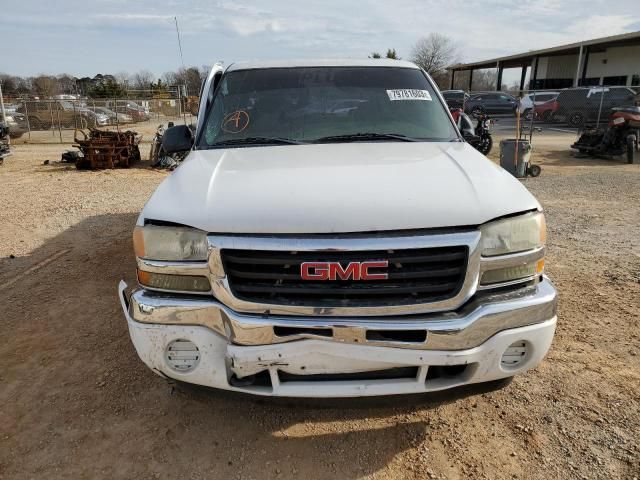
(512, 249)
(170, 243)
(512, 235)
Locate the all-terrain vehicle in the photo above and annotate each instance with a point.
(622, 136)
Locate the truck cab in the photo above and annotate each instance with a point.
(331, 234)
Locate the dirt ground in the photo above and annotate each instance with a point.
(77, 402)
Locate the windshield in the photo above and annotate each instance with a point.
(318, 104)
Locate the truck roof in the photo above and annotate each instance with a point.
(348, 62)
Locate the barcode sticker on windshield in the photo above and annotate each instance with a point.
(408, 94)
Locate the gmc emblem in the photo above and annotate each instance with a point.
(335, 271)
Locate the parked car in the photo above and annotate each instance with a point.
(546, 110)
(92, 119)
(45, 114)
(135, 111)
(530, 100)
(17, 124)
(491, 102)
(367, 251)
(578, 106)
(455, 98)
(114, 118)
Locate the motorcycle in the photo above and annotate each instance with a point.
(620, 137)
(479, 137)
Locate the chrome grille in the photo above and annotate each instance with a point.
(415, 276)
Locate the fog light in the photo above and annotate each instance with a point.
(182, 355)
(181, 283)
(515, 354)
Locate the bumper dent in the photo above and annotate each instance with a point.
(467, 328)
(241, 346)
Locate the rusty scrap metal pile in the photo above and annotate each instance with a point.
(105, 149)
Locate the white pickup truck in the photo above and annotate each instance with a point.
(331, 234)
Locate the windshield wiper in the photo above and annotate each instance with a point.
(363, 137)
(257, 141)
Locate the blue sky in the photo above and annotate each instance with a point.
(110, 36)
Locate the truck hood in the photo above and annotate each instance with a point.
(331, 188)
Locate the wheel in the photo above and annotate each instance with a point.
(534, 170)
(527, 114)
(486, 143)
(575, 119)
(15, 136)
(35, 123)
(631, 148)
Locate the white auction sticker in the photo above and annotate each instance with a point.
(408, 94)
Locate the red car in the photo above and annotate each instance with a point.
(545, 111)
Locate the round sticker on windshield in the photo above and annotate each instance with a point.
(235, 122)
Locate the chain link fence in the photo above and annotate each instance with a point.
(537, 115)
(544, 115)
(56, 120)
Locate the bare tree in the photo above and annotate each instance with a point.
(434, 54)
(67, 83)
(171, 78)
(46, 86)
(142, 80)
(123, 79)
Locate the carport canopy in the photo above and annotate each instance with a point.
(531, 58)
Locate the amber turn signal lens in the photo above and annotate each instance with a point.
(543, 232)
(138, 242)
(181, 283)
(540, 266)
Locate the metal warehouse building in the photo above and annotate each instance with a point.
(611, 60)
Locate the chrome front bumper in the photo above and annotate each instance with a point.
(468, 327)
(302, 356)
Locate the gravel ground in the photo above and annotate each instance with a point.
(77, 402)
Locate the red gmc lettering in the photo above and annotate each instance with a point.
(320, 269)
(364, 270)
(335, 271)
(351, 272)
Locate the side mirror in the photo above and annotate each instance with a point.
(177, 139)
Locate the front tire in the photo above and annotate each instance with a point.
(486, 144)
(575, 119)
